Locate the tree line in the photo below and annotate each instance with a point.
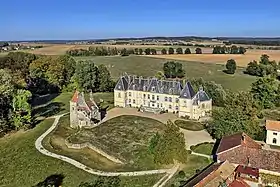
(25, 75)
(109, 51)
(229, 50)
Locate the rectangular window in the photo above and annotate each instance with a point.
(129, 93)
(170, 107)
(170, 99)
(177, 108)
(148, 96)
(133, 101)
(119, 95)
(157, 97)
(158, 105)
(165, 99)
(177, 100)
(144, 95)
(275, 133)
(153, 97)
(129, 100)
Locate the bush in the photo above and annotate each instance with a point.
(231, 66)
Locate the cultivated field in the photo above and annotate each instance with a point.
(241, 60)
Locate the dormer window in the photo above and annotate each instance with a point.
(133, 87)
(170, 91)
(144, 88)
(153, 89)
(119, 87)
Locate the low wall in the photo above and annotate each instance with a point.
(90, 146)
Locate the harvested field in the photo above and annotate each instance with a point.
(241, 60)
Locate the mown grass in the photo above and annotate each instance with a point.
(146, 66)
(203, 148)
(194, 165)
(189, 125)
(125, 137)
(22, 165)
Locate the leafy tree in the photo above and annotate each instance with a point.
(87, 76)
(179, 50)
(103, 182)
(136, 50)
(173, 70)
(163, 51)
(188, 51)
(170, 146)
(242, 50)
(170, 51)
(266, 91)
(104, 79)
(253, 68)
(198, 51)
(234, 50)
(148, 51)
(140, 51)
(231, 66)
(124, 52)
(21, 109)
(153, 51)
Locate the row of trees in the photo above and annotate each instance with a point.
(24, 75)
(263, 68)
(108, 51)
(229, 50)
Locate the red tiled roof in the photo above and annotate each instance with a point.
(272, 125)
(248, 170)
(75, 97)
(235, 140)
(238, 183)
(250, 154)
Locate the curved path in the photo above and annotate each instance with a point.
(41, 149)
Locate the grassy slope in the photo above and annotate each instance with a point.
(125, 137)
(22, 165)
(189, 125)
(145, 66)
(204, 148)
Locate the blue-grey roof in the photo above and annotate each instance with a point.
(188, 91)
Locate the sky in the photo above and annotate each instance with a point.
(94, 19)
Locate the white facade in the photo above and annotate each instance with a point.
(273, 137)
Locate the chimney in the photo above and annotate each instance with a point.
(140, 78)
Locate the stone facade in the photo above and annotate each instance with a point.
(155, 95)
(82, 113)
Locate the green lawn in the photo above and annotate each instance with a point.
(22, 165)
(59, 104)
(125, 137)
(194, 165)
(146, 66)
(189, 125)
(203, 148)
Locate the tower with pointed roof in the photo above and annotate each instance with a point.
(153, 95)
(83, 113)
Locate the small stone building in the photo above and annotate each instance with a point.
(83, 113)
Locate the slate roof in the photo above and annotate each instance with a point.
(173, 87)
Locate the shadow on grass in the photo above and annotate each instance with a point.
(48, 110)
(43, 99)
(52, 181)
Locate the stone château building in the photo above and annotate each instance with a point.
(155, 95)
(83, 113)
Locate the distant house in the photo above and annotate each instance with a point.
(272, 132)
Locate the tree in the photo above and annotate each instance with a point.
(21, 109)
(102, 181)
(163, 51)
(87, 76)
(242, 50)
(173, 70)
(170, 51)
(163, 146)
(147, 51)
(266, 91)
(140, 51)
(179, 50)
(136, 50)
(188, 51)
(198, 51)
(124, 52)
(253, 68)
(231, 66)
(153, 51)
(104, 79)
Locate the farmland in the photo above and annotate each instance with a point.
(146, 66)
